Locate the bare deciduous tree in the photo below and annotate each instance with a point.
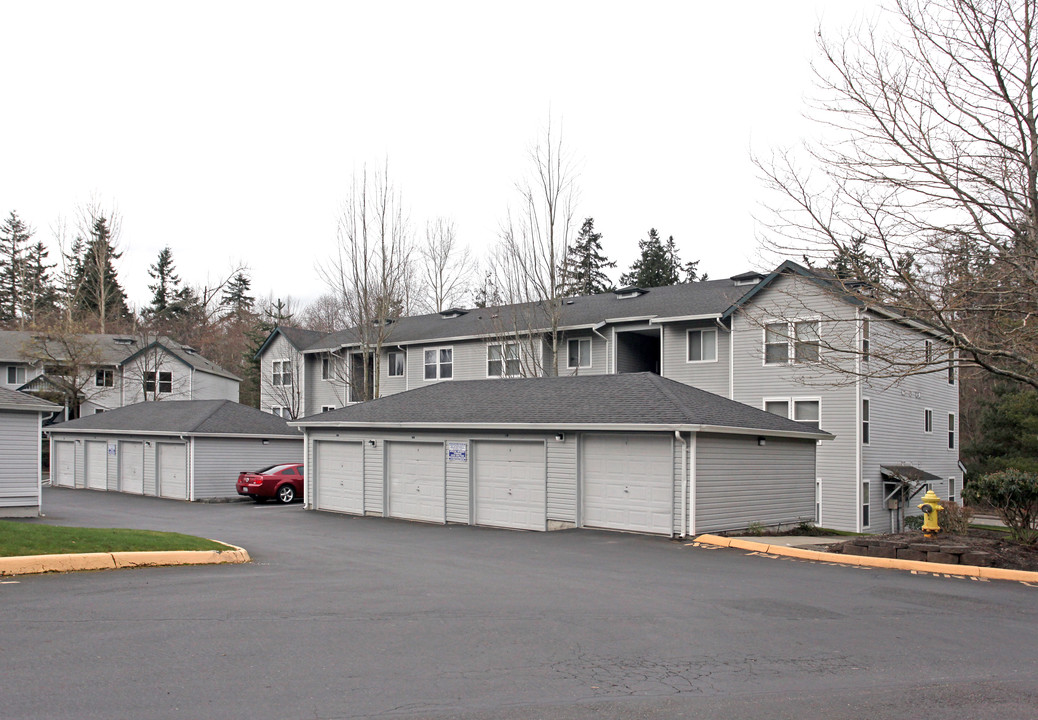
(928, 161)
(447, 268)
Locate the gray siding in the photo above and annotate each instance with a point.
(600, 354)
(739, 482)
(562, 479)
(320, 392)
(709, 376)
(20, 468)
(206, 386)
(277, 395)
(375, 478)
(216, 462)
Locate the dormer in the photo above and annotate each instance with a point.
(452, 313)
(746, 278)
(626, 293)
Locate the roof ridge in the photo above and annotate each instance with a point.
(662, 384)
(219, 404)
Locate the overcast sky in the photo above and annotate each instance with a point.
(230, 131)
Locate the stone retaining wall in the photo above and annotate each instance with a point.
(934, 551)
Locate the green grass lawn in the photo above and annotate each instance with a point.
(20, 538)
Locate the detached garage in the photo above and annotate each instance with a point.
(179, 449)
(20, 445)
(617, 452)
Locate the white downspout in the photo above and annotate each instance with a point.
(731, 355)
(684, 483)
(39, 464)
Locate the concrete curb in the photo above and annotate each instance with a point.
(33, 564)
(889, 563)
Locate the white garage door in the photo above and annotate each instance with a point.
(131, 467)
(63, 464)
(172, 470)
(96, 465)
(628, 483)
(509, 481)
(416, 480)
(339, 480)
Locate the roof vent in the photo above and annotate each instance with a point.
(385, 321)
(746, 278)
(124, 341)
(629, 292)
(452, 313)
(570, 302)
(189, 350)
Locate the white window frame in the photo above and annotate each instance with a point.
(277, 410)
(928, 421)
(569, 354)
(952, 430)
(866, 421)
(688, 345)
(928, 351)
(155, 379)
(951, 489)
(15, 370)
(403, 364)
(505, 346)
(326, 367)
(793, 409)
(327, 408)
(102, 375)
(866, 509)
(279, 370)
(866, 340)
(785, 400)
(438, 363)
(791, 341)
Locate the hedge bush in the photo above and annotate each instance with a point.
(1014, 496)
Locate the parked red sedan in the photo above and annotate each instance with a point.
(284, 482)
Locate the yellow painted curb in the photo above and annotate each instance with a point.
(33, 564)
(863, 561)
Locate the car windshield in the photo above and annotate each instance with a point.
(274, 469)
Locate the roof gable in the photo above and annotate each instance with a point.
(183, 417)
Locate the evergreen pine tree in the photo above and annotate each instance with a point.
(39, 294)
(14, 239)
(166, 283)
(659, 265)
(236, 297)
(98, 293)
(584, 270)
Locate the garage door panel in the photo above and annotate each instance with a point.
(63, 464)
(628, 483)
(509, 484)
(96, 465)
(339, 481)
(172, 471)
(416, 478)
(131, 467)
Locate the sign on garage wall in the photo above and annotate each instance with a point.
(112, 449)
(457, 452)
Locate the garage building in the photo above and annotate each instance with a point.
(20, 445)
(634, 452)
(181, 449)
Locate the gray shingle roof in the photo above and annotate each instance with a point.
(14, 400)
(187, 417)
(621, 400)
(700, 298)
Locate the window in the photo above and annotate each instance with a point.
(865, 421)
(928, 351)
(578, 353)
(777, 407)
(866, 343)
(104, 377)
(327, 408)
(98, 411)
(791, 342)
(806, 334)
(807, 412)
(702, 346)
(165, 382)
(439, 363)
(928, 421)
(951, 431)
(396, 364)
(281, 375)
(503, 360)
(951, 367)
(279, 411)
(865, 519)
(326, 369)
(15, 375)
(951, 489)
(776, 343)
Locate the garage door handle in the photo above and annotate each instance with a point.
(626, 490)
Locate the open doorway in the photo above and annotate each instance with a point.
(362, 377)
(638, 351)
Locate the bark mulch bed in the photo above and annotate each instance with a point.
(993, 547)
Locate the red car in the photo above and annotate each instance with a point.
(283, 481)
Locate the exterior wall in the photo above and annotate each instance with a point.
(601, 353)
(216, 462)
(318, 391)
(277, 395)
(709, 376)
(771, 484)
(391, 385)
(838, 394)
(896, 430)
(20, 467)
(206, 386)
(29, 371)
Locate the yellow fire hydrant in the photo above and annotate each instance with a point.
(930, 507)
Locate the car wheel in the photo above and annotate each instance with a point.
(286, 493)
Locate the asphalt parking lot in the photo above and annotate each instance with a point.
(342, 617)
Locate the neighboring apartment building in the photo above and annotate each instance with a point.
(109, 371)
(788, 342)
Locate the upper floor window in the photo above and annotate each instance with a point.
(807, 412)
(281, 374)
(578, 353)
(503, 360)
(928, 351)
(396, 363)
(439, 363)
(866, 421)
(327, 408)
(104, 377)
(702, 345)
(15, 375)
(777, 407)
(165, 382)
(866, 342)
(928, 420)
(798, 340)
(951, 431)
(279, 411)
(326, 369)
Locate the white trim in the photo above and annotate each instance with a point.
(953, 431)
(688, 344)
(791, 341)
(928, 421)
(389, 363)
(862, 420)
(951, 489)
(692, 450)
(866, 502)
(787, 400)
(684, 318)
(504, 359)
(642, 318)
(437, 349)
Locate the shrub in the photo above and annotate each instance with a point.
(913, 522)
(755, 528)
(1014, 496)
(955, 519)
